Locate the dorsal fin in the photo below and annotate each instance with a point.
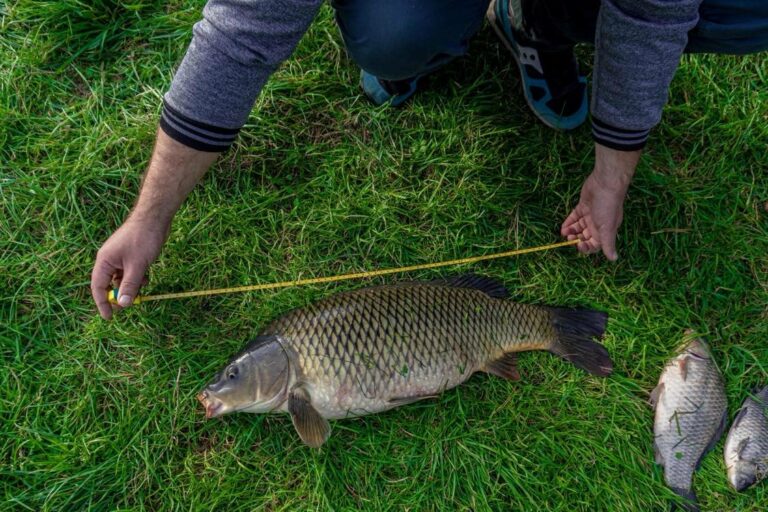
(760, 396)
(487, 285)
(740, 416)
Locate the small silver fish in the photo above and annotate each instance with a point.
(746, 447)
(369, 350)
(691, 411)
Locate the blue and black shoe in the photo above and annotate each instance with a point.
(553, 87)
(394, 92)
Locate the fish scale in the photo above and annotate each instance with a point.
(388, 343)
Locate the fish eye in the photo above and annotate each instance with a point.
(232, 372)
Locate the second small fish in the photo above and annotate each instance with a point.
(746, 447)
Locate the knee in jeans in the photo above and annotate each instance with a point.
(393, 52)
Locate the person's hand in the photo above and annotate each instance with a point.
(598, 215)
(123, 261)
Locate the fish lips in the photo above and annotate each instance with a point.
(741, 481)
(213, 407)
(696, 347)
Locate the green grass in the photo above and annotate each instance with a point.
(97, 415)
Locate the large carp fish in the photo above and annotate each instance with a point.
(370, 350)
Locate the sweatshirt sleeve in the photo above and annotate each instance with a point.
(638, 45)
(235, 47)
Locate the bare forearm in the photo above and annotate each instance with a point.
(173, 171)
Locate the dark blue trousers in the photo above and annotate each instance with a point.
(399, 39)
(730, 26)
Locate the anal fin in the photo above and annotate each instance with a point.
(658, 456)
(504, 367)
(397, 401)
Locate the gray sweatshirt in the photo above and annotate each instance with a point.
(239, 43)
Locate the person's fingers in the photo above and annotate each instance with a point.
(568, 223)
(589, 244)
(586, 242)
(573, 229)
(578, 226)
(593, 246)
(117, 275)
(117, 279)
(101, 276)
(133, 276)
(572, 217)
(608, 237)
(587, 247)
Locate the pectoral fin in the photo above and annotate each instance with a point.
(742, 446)
(504, 367)
(312, 428)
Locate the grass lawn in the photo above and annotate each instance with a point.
(101, 415)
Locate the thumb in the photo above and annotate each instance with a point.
(130, 284)
(608, 239)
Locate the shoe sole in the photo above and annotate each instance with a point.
(393, 100)
(491, 15)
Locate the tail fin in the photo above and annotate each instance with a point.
(689, 503)
(574, 330)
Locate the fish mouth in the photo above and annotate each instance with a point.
(694, 346)
(741, 482)
(697, 355)
(213, 407)
(699, 349)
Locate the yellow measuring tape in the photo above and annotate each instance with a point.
(112, 294)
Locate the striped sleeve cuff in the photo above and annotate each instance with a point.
(620, 139)
(195, 134)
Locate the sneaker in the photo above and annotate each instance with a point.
(553, 87)
(394, 92)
